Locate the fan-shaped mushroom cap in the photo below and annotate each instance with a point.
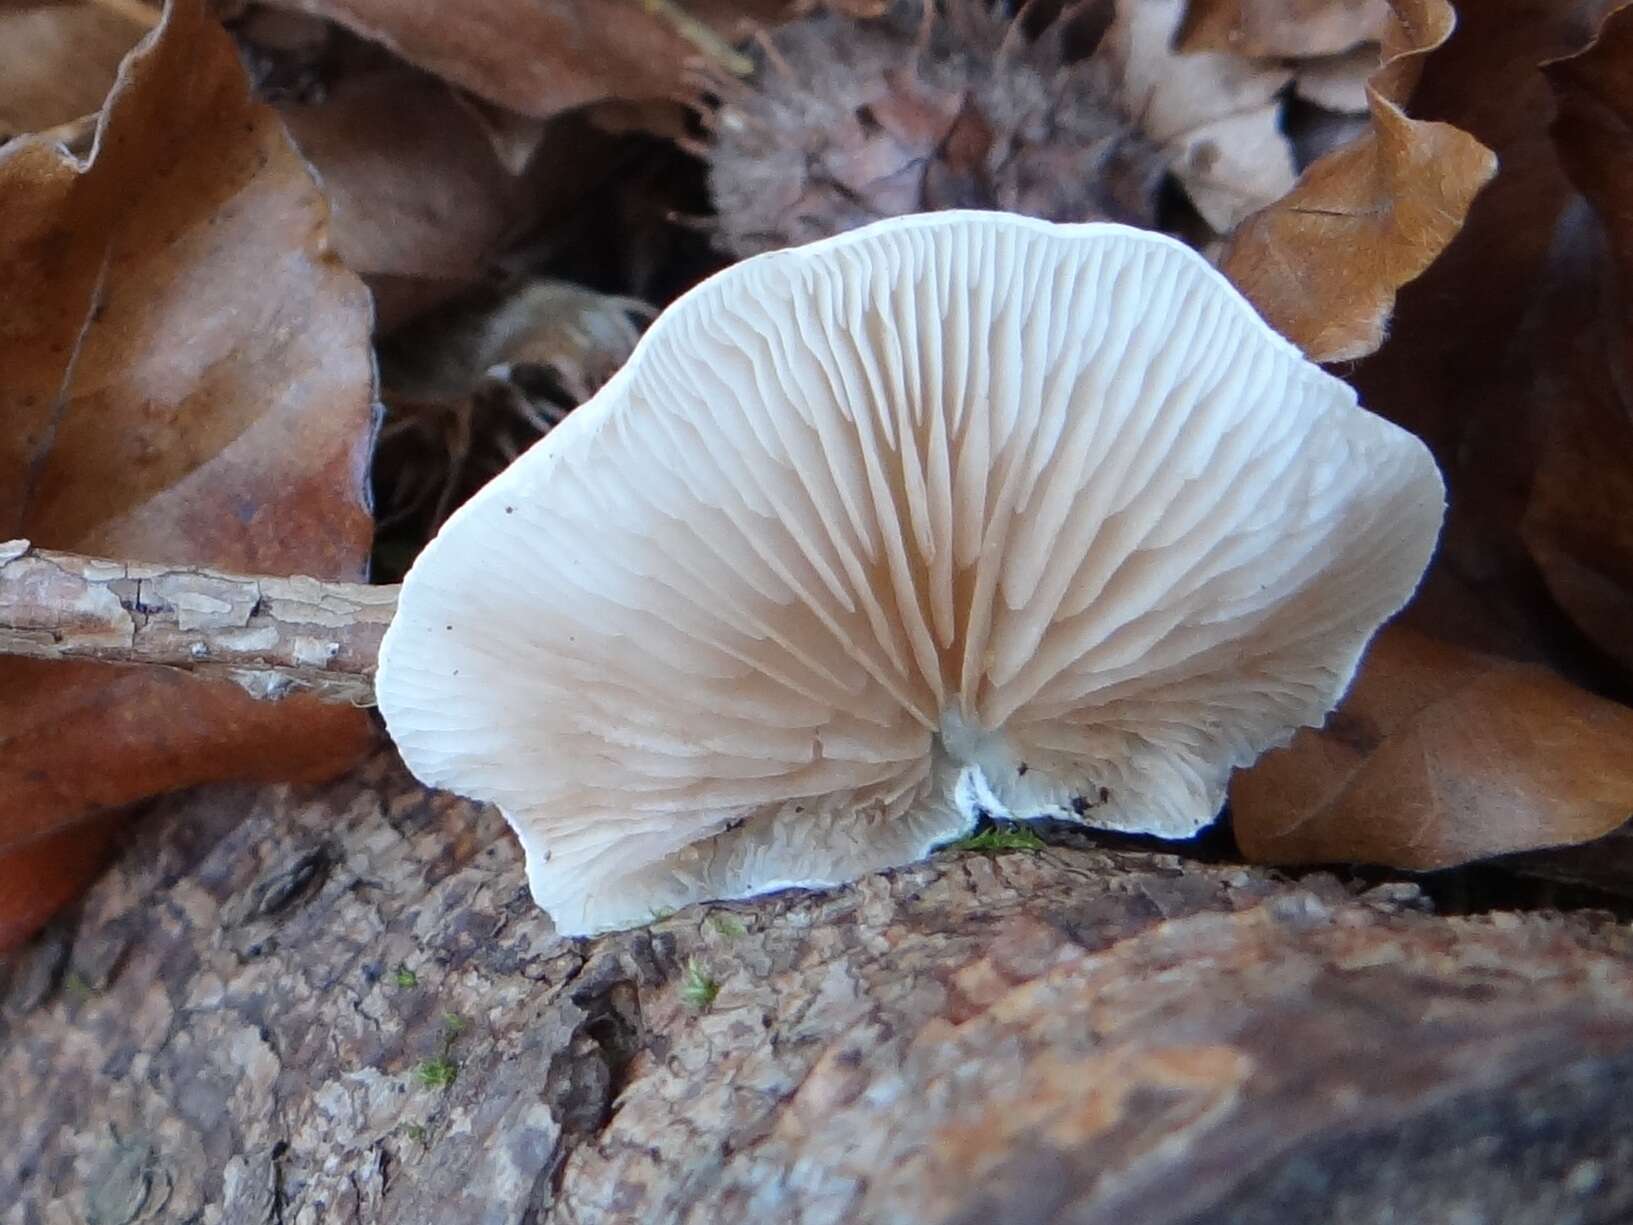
(957, 512)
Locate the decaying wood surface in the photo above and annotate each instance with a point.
(339, 1005)
(271, 635)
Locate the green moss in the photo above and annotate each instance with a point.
(996, 840)
(697, 989)
(437, 1073)
(729, 926)
(405, 978)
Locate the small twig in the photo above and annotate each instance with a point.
(272, 635)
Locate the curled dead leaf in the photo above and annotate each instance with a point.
(184, 376)
(543, 57)
(1485, 345)
(1439, 756)
(47, 874)
(1324, 262)
(57, 63)
(1578, 523)
(419, 195)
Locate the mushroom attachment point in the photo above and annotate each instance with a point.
(956, 514)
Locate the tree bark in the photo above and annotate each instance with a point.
(270, 634)
(340, 1005)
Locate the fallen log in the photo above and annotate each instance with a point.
(340, 1005)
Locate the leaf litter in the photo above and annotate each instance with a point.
(520, 183)
(184, 377)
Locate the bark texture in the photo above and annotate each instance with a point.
(271, 635)
(339, 1005)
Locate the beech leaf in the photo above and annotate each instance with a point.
(185, 377)
(57, 63)
(1323, 263)
(1487, 346)
(1439, 756)
(543, 57)
(1578, 524)
(419, 195)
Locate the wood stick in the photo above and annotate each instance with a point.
(272, 635)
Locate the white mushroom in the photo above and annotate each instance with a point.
(959, 513)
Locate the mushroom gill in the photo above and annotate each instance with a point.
(956, 513)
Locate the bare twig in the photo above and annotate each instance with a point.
(272, 635)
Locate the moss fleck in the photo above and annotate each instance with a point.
(729, 926)
(996, 840)
(437, 1073)
(697, 989)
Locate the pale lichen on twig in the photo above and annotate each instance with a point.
(272, 635)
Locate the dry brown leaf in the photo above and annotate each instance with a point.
(1578, 524)
(420, 199)
(1323, 263)
(1478, 342)
(1437, 757)
(1443, 367)
(542, 57)
(412, 178)
(1499, 359)
(184, 377)
(57, 63)
(515, 139)
(1271, 29)
(42, 877)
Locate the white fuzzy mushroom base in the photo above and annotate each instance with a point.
(957, 511)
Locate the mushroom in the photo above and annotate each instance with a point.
(956, 515)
